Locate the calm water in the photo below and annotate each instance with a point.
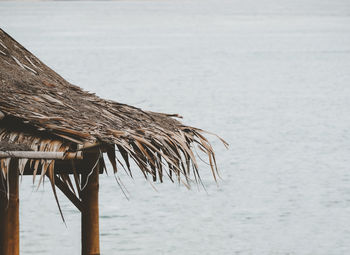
(271, 77)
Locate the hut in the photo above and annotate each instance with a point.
(52, 129)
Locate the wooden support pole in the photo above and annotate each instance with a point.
(9, 212)
(42, 155)
(90, 213)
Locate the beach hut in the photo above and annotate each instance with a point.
(52, 129)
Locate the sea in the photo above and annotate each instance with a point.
(271, 77)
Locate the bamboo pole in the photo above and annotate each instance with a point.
(42, 155)
(90, 212)
(9, 212)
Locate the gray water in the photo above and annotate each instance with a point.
(271, 77)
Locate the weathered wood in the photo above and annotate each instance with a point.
(90, 212)
(41, 155)
(9, 212)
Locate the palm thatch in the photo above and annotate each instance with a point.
(44, 112)
(8, 146)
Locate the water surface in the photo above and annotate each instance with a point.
(271, 77)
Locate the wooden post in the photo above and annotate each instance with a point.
(42, 155)
(90, 236)
(9, 212)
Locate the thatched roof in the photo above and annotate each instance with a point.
(40, 109)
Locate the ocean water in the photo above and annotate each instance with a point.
(271, 77)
